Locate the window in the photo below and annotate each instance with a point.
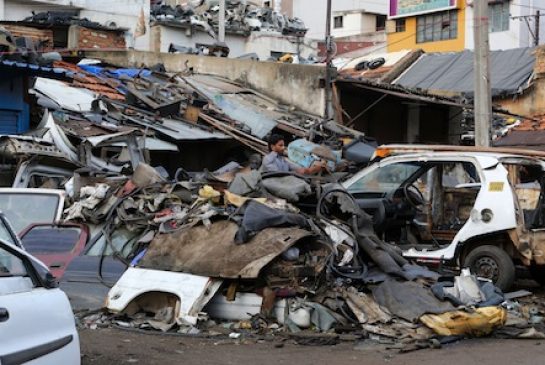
(5, 233)
(267, 4)
(384, 179)
(437, 27)
(400, 25)
(498, 16)
(11, 265)
(23, 209)
(380, 22)
(51, 240)
(123, 241)
(338, 21)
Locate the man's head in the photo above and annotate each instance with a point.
(277, 144)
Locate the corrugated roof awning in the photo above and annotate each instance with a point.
(452, 72)
(36, 70)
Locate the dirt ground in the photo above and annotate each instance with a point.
(113, 346)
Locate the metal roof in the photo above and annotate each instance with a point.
(36, 70)
(452, 72)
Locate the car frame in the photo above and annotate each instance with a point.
(496, 236)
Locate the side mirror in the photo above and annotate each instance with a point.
(50, 281)
(47, 279)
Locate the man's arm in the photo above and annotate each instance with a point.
(315, 168)
(269, 164)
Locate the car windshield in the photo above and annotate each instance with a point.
(50, 239)
(123, 241)
(24, 209)
(384, 179)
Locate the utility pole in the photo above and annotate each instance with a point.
(482, 107)
(328, 70)
(221, 21)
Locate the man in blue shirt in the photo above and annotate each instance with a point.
(275, 161)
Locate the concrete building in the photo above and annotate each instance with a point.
(348, 18)
(121, 13)
(447, 25)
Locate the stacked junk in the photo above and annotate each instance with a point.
(235, 253)
(278, 257)
(241, 17)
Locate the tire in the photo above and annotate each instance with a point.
(376, 63)
(363, 65)
(538, 273)
(493, 263)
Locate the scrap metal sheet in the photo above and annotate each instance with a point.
(212, 251)
(238, 104)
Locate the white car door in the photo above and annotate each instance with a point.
(36, 323)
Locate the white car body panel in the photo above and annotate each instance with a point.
(193, 291)
(41, 328)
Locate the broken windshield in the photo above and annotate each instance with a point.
(24, 209)
(385, 178)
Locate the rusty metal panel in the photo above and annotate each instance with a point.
(212, 251)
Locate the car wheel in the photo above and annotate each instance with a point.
(538, 273)
(491, 262)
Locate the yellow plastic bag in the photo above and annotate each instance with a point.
(238, 200)
(481, 322)
(208, 192)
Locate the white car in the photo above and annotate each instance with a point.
(459, 207)
(37, 325)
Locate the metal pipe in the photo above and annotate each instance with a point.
(221, 22)
(328, 70)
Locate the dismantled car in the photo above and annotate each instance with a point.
(458, 207)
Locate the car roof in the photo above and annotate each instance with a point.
(459, 151)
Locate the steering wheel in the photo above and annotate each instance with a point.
(413, 195)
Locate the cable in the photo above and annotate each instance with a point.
(529, 7)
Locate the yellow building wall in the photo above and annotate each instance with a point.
(407, 40)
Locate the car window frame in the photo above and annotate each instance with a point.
(36, 192)
(32, 273)
(81, 232)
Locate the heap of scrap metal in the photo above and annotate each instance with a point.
(245, 258)
(241, 17)
(111, 119)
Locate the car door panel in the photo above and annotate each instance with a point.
(39, 321)
(37, 325)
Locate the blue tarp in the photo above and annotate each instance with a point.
(117, 73)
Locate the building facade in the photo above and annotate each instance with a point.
(119, 13)
(447, 25)
(348, 18)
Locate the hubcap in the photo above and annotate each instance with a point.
(487, 268)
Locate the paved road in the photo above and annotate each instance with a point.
(116, 347)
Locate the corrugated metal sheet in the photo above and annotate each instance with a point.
(510, 71)
(36, 70)
(239, 104)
